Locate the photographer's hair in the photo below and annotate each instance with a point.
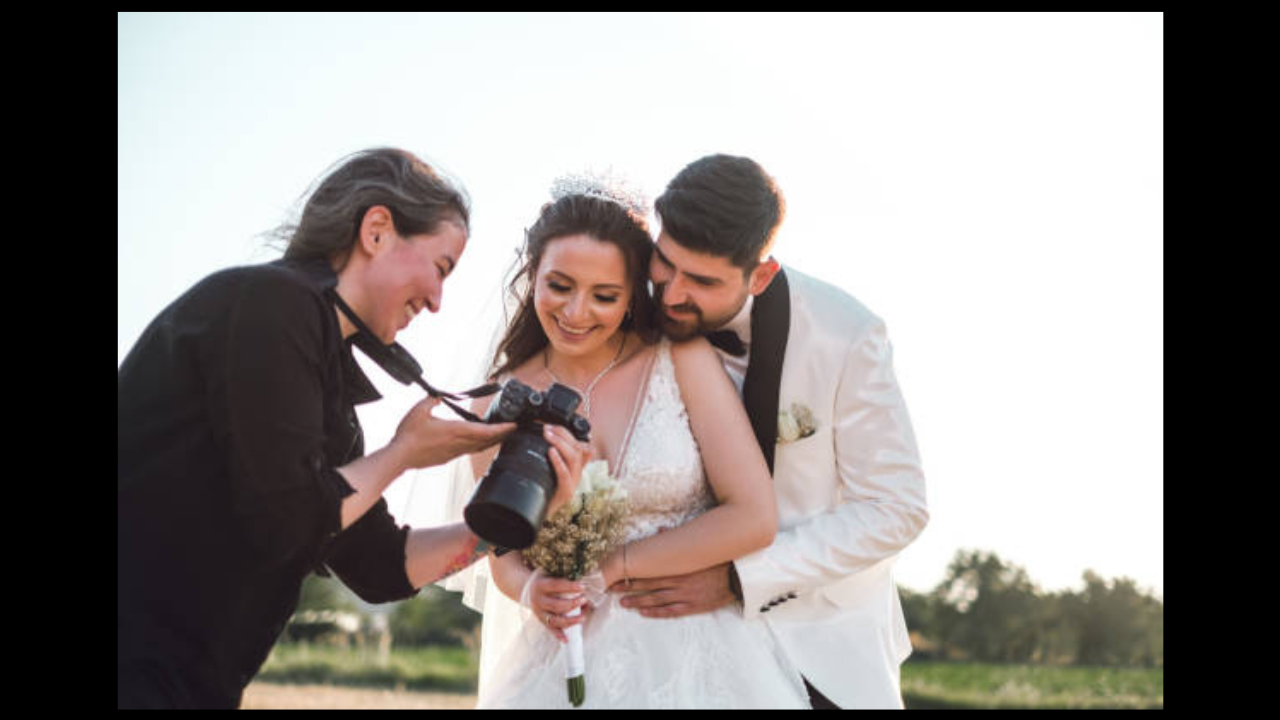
(724, 206)
(418, 196)
(603, 220)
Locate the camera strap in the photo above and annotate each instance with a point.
(399, 364)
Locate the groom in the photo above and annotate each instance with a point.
(815, 370)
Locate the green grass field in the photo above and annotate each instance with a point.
(924, 684)
(427, 668)
(977, 685)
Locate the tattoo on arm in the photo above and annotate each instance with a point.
(475, 550)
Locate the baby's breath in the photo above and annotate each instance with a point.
(572, 542)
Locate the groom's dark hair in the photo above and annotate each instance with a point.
(726, 206)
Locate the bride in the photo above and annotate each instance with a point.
(668, 421)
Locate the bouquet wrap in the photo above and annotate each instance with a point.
(571, 544)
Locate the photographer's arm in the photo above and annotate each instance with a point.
(370, 476)
(432, 554)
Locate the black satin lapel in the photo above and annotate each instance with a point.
(770, 326)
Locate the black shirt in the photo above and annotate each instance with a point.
(235, 406)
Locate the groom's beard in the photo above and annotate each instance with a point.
(683, 329)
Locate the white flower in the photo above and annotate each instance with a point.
(804, 417)
(797, 424)
(596, 479)
(788, 428)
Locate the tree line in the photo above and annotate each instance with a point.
(989, 610)
(985, 610)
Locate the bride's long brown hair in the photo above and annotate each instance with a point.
(602, 220)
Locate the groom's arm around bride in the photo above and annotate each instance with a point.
(819, 385)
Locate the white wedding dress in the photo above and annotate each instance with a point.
(712, 660)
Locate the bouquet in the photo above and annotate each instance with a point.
(571, 544)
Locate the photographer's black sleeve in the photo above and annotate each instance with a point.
(266, 398)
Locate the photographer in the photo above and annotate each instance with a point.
(240, 460)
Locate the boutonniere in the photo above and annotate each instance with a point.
(796, 425)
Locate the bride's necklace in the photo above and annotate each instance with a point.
(586, 406)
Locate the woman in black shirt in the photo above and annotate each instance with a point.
(240, 461)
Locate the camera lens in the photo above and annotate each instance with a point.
(511, 499)
(510, 502)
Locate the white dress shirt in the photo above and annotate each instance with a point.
(741, 326)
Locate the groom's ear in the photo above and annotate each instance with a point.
(763, 275)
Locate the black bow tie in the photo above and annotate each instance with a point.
(728, 341)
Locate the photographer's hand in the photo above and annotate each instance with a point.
(427, 440)
(421, 440)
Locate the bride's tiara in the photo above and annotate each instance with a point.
(606, 185)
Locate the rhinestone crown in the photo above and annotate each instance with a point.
(606, 185)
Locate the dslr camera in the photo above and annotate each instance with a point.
(510, 502)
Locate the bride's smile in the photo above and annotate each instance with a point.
(571, 332)
(580, 297)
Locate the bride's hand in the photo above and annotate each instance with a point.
(551, 598)
(568, 456)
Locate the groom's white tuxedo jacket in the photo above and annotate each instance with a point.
(850, 495)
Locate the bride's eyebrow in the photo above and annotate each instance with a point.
(601, 286)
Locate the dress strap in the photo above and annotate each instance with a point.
(616, 470)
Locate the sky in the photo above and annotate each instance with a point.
(990, 185)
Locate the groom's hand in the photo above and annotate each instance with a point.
(680, 595)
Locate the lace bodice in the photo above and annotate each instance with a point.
(708, 660)
(661, 467)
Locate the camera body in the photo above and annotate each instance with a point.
(510, 501)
